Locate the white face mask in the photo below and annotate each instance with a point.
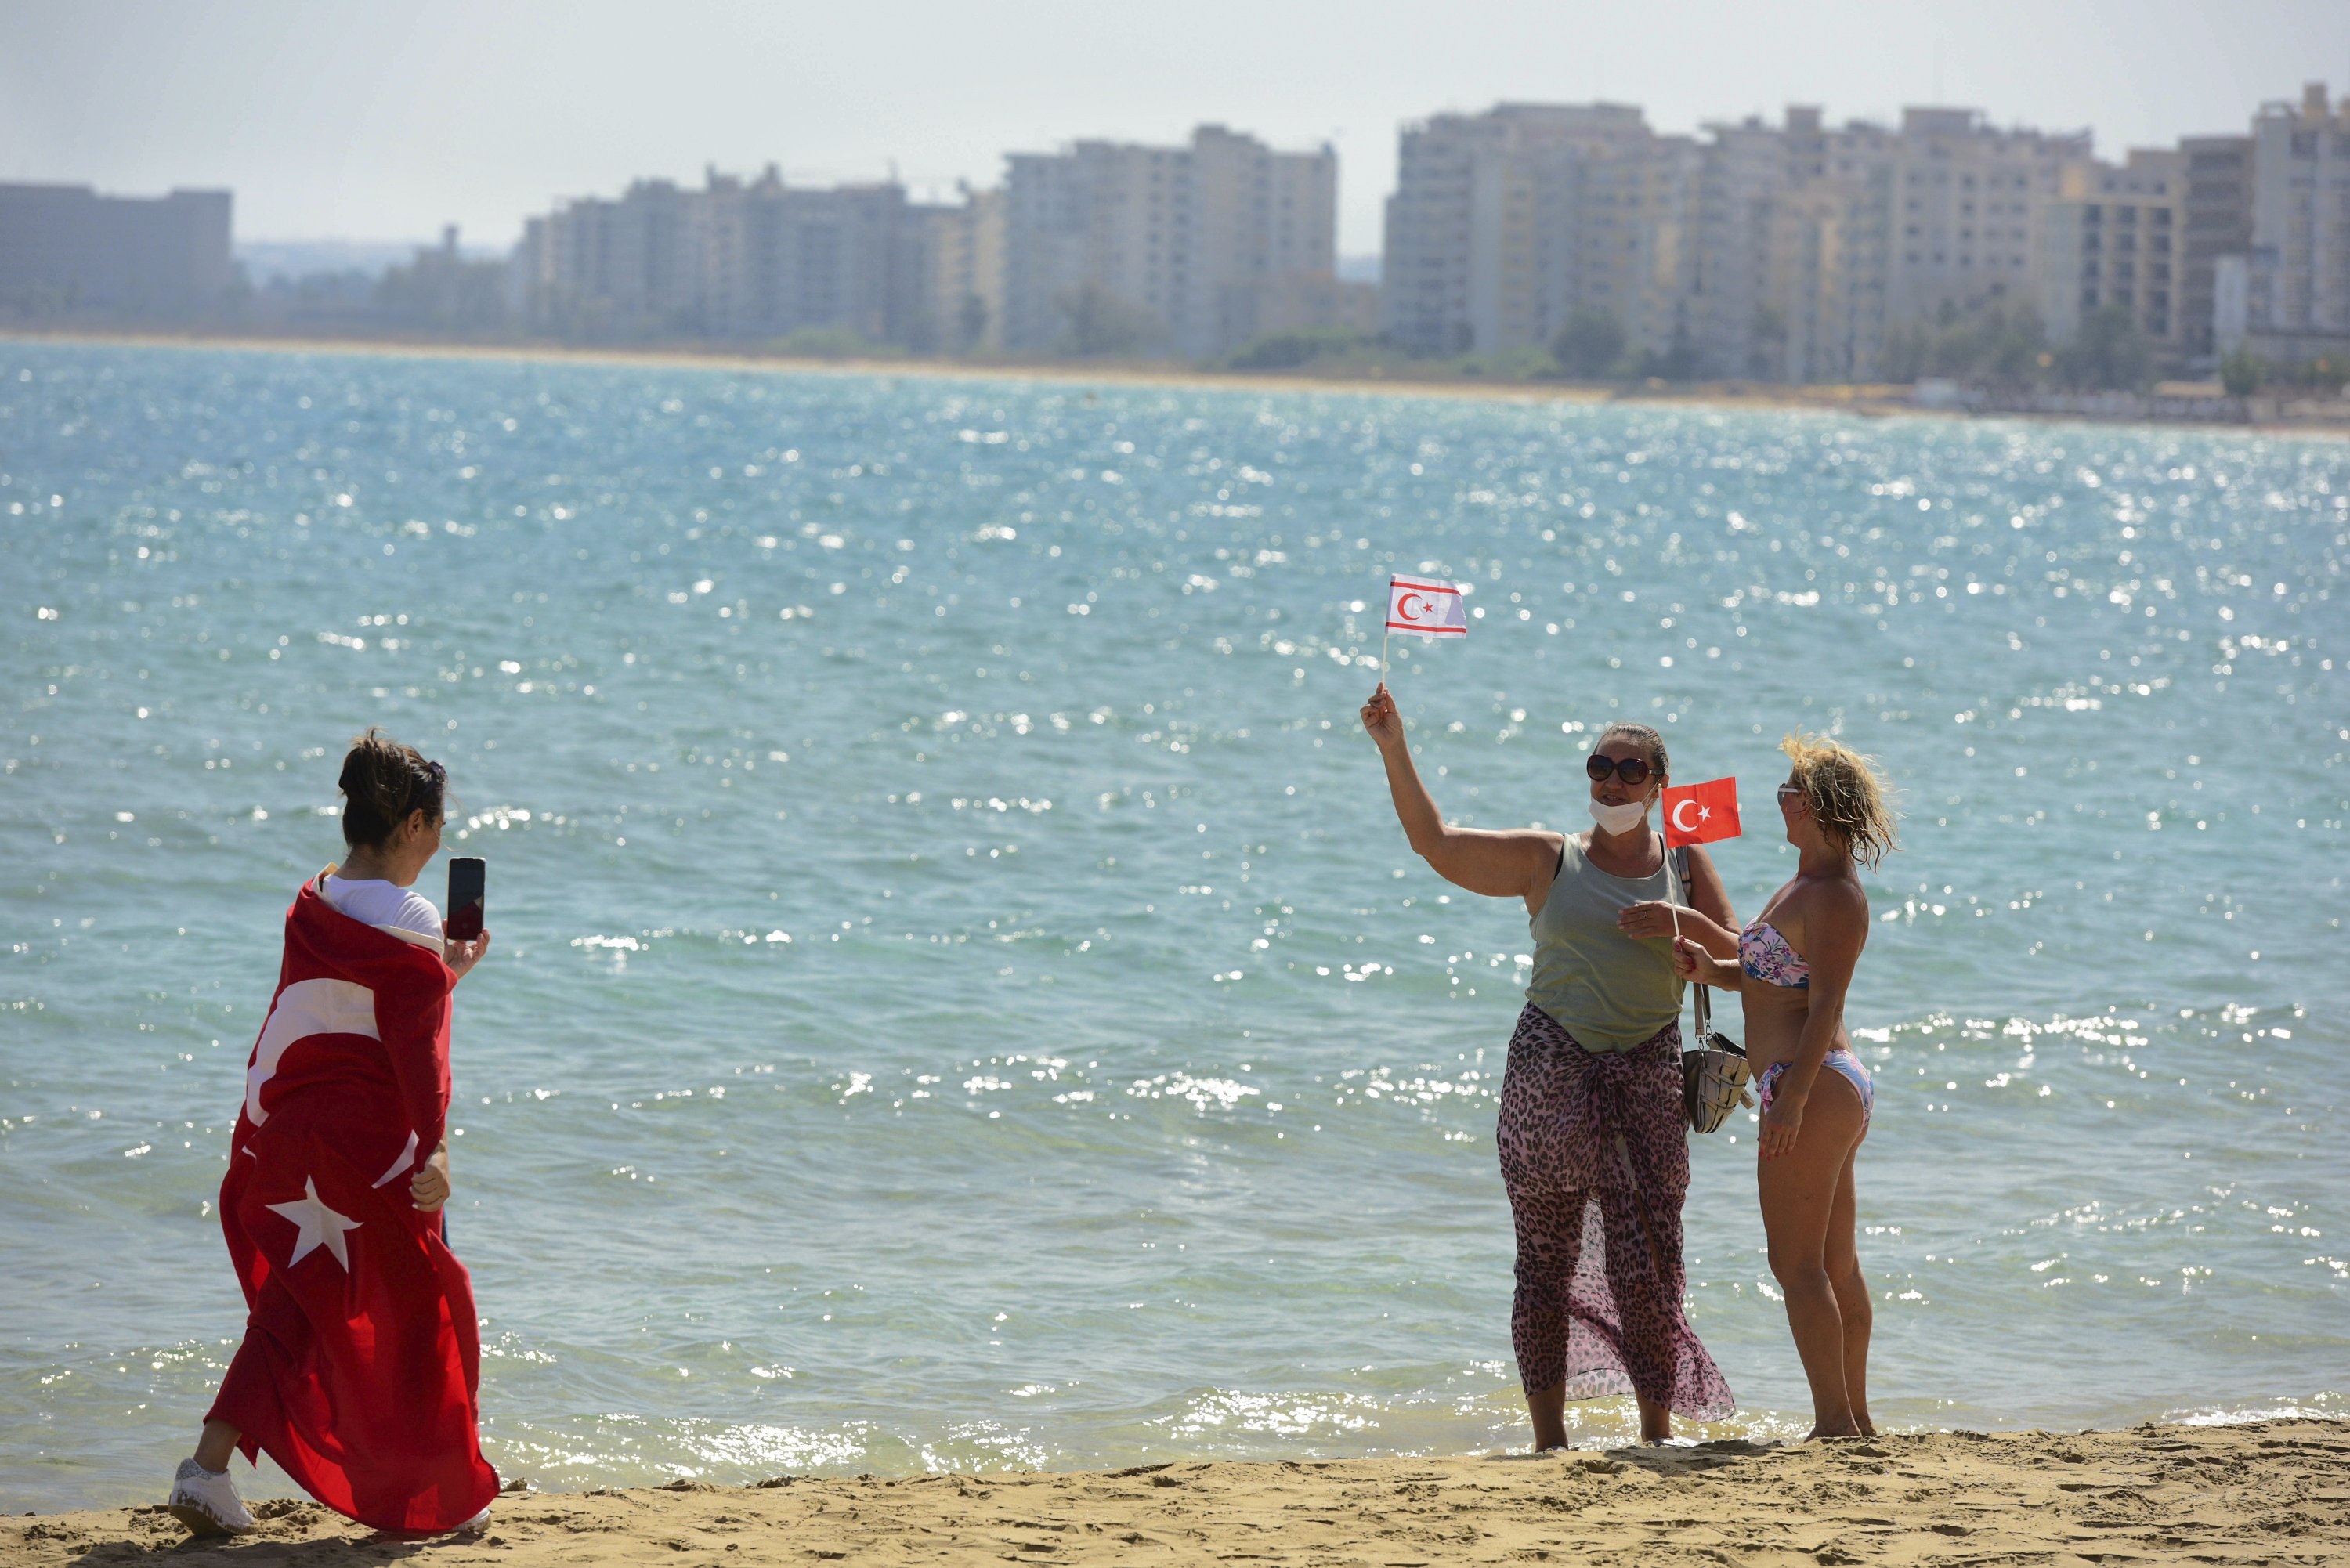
(1619, 819)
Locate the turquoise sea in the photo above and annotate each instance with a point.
(960, 997)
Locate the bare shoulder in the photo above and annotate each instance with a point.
(1548, 856)
(1547, 846)
(1836, 904)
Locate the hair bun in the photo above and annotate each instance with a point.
(383, 781)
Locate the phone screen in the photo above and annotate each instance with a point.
(465, 893)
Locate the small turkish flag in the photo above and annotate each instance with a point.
(1701, 812)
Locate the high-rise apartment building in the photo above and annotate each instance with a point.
(1116, 247)
(1709, 254)
(2289, 297)
(745, 260)
(2115, 241)
(1829, 265)
(68, 252)
(1504, 225)
(1744, 172)
(778, 259)
(2218, 222)
(1824, 280)
(1968, 204)
(614, 269)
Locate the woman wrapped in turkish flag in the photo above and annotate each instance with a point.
(361, 1362)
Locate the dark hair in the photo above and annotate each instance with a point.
(1649, 742)
(383, 781)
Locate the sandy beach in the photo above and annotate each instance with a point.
(1096, 373)
(2272, 1492)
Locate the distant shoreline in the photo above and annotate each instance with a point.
(1862, 400)
(695, 357)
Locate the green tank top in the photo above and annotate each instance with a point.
(1607, 989)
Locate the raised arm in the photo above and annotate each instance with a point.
(1512, 863)
(1835, 925)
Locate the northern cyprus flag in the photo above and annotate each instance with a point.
(1423, 606)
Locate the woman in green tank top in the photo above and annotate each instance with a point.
(1591, 1134)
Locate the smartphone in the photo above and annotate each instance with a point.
(465, 878)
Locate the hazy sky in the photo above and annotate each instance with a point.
(332, 118)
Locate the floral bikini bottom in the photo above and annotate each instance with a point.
(1839, 1060)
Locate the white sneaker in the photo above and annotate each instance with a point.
(206, 1502)
(475, 1525)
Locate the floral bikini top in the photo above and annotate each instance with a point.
(1765, 956)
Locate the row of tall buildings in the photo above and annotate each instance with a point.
(1799, 250)
(1796, 251)
(1101, 247)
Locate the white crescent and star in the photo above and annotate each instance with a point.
(1703, 813)
(304, 1008)
(316, 1226)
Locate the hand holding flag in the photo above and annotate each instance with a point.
(1380, 718)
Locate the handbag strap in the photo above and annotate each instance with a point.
(1698, 993)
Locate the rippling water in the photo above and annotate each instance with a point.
(960, 998)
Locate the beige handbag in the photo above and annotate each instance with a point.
(1714, 1073)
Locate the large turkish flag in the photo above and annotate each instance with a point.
(361, 1354)
(1701, 812)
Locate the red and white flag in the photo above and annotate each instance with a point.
(1701, 812)
(1423, 606)
(361, 1360)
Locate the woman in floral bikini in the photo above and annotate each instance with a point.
(1794, 964)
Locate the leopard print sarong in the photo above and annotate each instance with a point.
(1591, 1310)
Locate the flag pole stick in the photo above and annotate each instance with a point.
(1383, 656)
(1675, 908)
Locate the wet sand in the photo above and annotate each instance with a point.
(2274, 1492)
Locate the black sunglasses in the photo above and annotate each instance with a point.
(1633, 771)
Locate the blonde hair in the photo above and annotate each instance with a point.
(1847, 795)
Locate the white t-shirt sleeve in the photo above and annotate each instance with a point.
(416, 914)
(385, 905)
